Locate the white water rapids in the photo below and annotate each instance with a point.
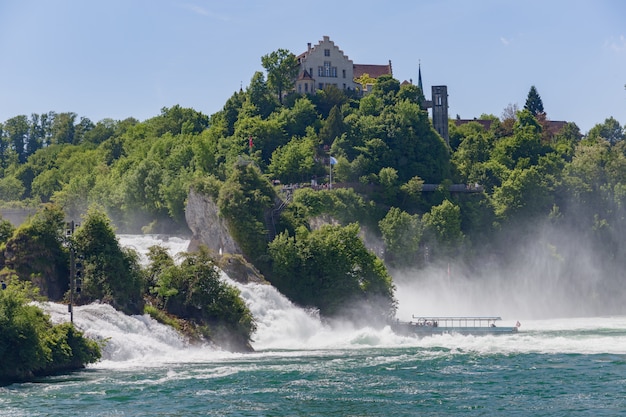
(282, 326)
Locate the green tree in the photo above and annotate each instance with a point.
(260, 101)
(100, 132)
(402, 234)
(294, 162)
(11, 189)
(193, 290)
(525, 194)
(333, 127)
(111, 273)
(36, 252)
(298, 119)
(533, 102)
(244, 199)
(388, 180)
(610, 131)
(327, 98)
(16, 129)
(443, 226)
(31, 346)
(282, 69)
(176, 120)
(412, 191)
(331, 269)
(386, 87)
(63, 129)
(6, 230)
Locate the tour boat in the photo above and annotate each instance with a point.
(426, 326)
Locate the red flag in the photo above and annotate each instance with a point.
(250, 143)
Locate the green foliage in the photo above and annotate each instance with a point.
(386, 148)
(402, 234)
(195, 291)
(36, 252)
(161, 316)
(259, 101)
(533, 102)
(6, 230)
(331, 269)
(244, 200)
(333, 127)
(512, 198)
(31, 346)
(299, 118)
(443, 226)
(343, 204)
(111, 273)
(11, 189)
(610, 130)
(282, 69)
(177, 120)
(295, 162)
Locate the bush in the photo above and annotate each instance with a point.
(31, 346)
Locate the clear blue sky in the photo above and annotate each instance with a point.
(130, 58)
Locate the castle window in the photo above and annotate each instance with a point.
(326, 52)
(306, 87)
(344, 73)
(326, 68)
(321, 86)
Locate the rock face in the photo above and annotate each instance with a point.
(206, 225)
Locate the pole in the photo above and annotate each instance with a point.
(330, 178)
(72, 263)
(70, 232)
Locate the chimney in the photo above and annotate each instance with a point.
(308, 47)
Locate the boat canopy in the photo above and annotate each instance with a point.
(456, 321)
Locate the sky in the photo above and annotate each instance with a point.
(131, 58)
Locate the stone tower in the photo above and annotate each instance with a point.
(440, 110)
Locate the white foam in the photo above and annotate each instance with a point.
(286, 329)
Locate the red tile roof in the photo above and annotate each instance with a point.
(373, 71)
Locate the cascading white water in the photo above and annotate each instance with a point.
(141, 341)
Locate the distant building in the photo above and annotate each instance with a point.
(325, 64)
(439, 106)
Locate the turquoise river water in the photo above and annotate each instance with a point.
(304, 367)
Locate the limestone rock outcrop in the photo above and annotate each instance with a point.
(207, 226)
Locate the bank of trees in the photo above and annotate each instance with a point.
(385, 149)
(38, 254)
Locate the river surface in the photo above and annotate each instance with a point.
(304, 367)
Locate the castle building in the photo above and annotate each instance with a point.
(325, 64)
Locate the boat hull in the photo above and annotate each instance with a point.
(409, 329)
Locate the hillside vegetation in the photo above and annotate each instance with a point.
(400, 197)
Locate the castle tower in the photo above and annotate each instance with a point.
(440, 110)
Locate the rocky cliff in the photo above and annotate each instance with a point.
(207, 226)
(211, 230)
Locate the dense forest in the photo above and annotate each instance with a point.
(401, 196)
